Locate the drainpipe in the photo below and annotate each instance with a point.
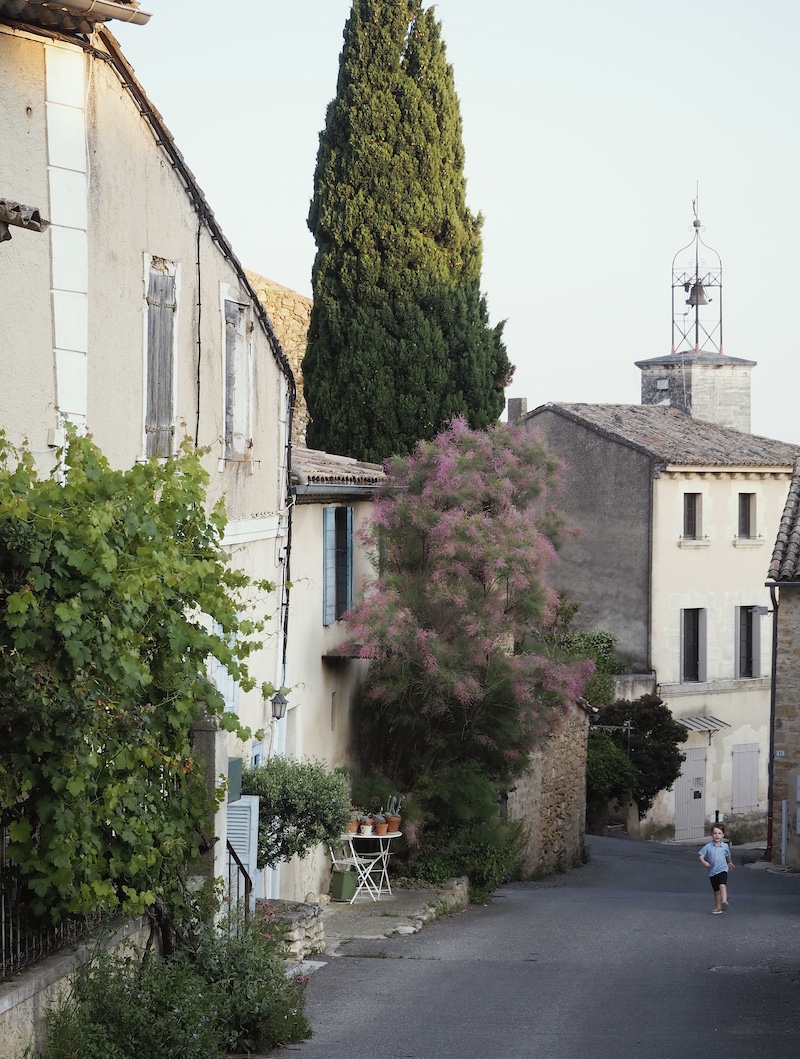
(771, 760)
(103, 9)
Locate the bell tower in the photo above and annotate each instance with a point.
(697, 377)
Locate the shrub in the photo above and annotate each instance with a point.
(260, 1007)
(488, 854)
(121, 1008)
(228, 993)
(302, 804)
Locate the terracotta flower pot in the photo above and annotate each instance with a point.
(352, 826)
(393, 822)
(381, 829)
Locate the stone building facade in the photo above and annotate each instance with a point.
(290, 314)
(784, 571)
(550, 798)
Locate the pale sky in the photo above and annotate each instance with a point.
(588, 125)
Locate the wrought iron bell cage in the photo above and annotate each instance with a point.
(696, 296)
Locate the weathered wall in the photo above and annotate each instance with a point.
(607, 569)
(290, 314)
(787, 724)
(551, 798)
(25, 1000)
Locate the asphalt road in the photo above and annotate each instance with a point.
(619, 959)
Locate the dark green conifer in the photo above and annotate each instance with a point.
(399, 341)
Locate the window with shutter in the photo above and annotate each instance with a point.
(693, 645)
(337, 531)
(748, 642)
(159, 427)
(238, 382)
(226, 684)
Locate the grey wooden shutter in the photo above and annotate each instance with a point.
(745, 778)
(161, 306)
(328, 565)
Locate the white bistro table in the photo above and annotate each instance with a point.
(369, 855)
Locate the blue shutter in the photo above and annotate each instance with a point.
(328, 565)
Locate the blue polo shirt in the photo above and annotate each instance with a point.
(717, 856)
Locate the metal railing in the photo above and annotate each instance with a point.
(240, 885)
(24, 942)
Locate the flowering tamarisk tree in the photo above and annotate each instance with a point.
(463, 532)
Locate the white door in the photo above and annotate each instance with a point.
(690, 797)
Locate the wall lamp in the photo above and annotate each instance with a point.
(279, 704)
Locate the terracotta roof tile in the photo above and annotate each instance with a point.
(785, 565)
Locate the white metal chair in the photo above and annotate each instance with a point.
(344, 857)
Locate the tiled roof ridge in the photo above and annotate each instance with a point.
(670, 436)
(786, 554)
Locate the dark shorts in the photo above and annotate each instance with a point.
(720, 879)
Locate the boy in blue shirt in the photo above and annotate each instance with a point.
(716, 856)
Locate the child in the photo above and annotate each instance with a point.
(716, 856)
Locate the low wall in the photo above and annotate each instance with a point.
(305, 932)
(25, 1000)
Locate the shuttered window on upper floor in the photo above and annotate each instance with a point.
(238, 381)
(159, 426)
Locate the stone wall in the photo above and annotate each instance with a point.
(25, 999)
(290, 314)
(305, 931)
(550, 798)
(787, 725)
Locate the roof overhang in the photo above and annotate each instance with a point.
(702, 724)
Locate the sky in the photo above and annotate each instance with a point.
(589, 128)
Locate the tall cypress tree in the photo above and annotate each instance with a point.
(399, 341)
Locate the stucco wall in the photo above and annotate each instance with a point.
(607, 494)
(787, 725)
(550, 798)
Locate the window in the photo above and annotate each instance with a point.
(748, 642)
(693, 645)
(226, 684)
(747, 515)
(337, 596)
(159, 412)
(692, 512)
(238, 381)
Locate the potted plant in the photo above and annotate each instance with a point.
(393, 807)
(365, 823)
(354, 821)
(381, 826)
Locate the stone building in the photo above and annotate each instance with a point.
(784, 581)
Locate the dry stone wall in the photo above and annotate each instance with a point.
(290, 314)
(550, 798)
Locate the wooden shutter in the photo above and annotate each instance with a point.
(243, 833)
(328, 565)
(159, 427)
(238, 381)
(744, 797)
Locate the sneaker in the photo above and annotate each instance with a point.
(716, 911)
(724, 906)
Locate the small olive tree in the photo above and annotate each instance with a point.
(302, 803)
